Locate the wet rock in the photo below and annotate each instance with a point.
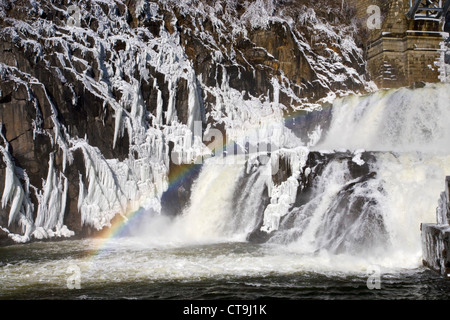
(44, 87)
(345, 206)
(181, 179)
(435, 247)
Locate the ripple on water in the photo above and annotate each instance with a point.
(208, 271)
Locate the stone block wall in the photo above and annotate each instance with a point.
(402, 52)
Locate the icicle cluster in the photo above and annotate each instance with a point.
(14, 194)
(283, 196)
(112, 61)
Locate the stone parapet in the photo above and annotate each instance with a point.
(402, 52)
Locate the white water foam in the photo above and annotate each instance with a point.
(210, 216)
(408, 129)
(392, 120)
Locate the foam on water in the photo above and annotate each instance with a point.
(408, 130)
(208, 240)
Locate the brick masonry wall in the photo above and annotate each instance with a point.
(403, 51)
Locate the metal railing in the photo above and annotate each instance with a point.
(427, 9)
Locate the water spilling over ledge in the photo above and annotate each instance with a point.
(328, 198)
(118, 110)
(306, 214)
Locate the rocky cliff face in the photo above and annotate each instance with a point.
(435, 236)
(350, 209)
(98, 97)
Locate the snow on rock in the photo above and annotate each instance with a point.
(357, 157)
(283, 196)
(443, 61)
(116, 52)
(14, 194)
(259, 13)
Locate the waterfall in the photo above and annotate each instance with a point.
(363, 191)
(210, 214)
(376, 214)
(392, 120)
(223, 206)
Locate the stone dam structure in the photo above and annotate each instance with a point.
(403, 50)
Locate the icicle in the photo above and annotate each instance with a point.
(159, 107)
(171, 105)
(21, 206)
(17, 198)
(60, 140)
(118, 121)
(13, 191)
(276, 92)
(194, 109)
(52, 204)
(59, 225)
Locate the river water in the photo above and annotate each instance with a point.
(125, 269)
(374, 253)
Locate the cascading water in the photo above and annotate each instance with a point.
(373, 215)
(222, 207)
(411, 128)
(211, 216)
(311, 230)
(378, 217)
(341, 216)
(398, 120)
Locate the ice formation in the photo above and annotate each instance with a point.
(283, 196)
(111, 186)
(21, 208)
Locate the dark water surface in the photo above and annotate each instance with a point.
(89, 269)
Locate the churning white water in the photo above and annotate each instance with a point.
(347, 225)
(210, 216)
(392, 120)
(410, 128)
(409, 131)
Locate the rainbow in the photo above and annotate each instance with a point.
(118, 228)
(123, 222)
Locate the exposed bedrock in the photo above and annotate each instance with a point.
(88, 111)
(351, 220)
(436, 236)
